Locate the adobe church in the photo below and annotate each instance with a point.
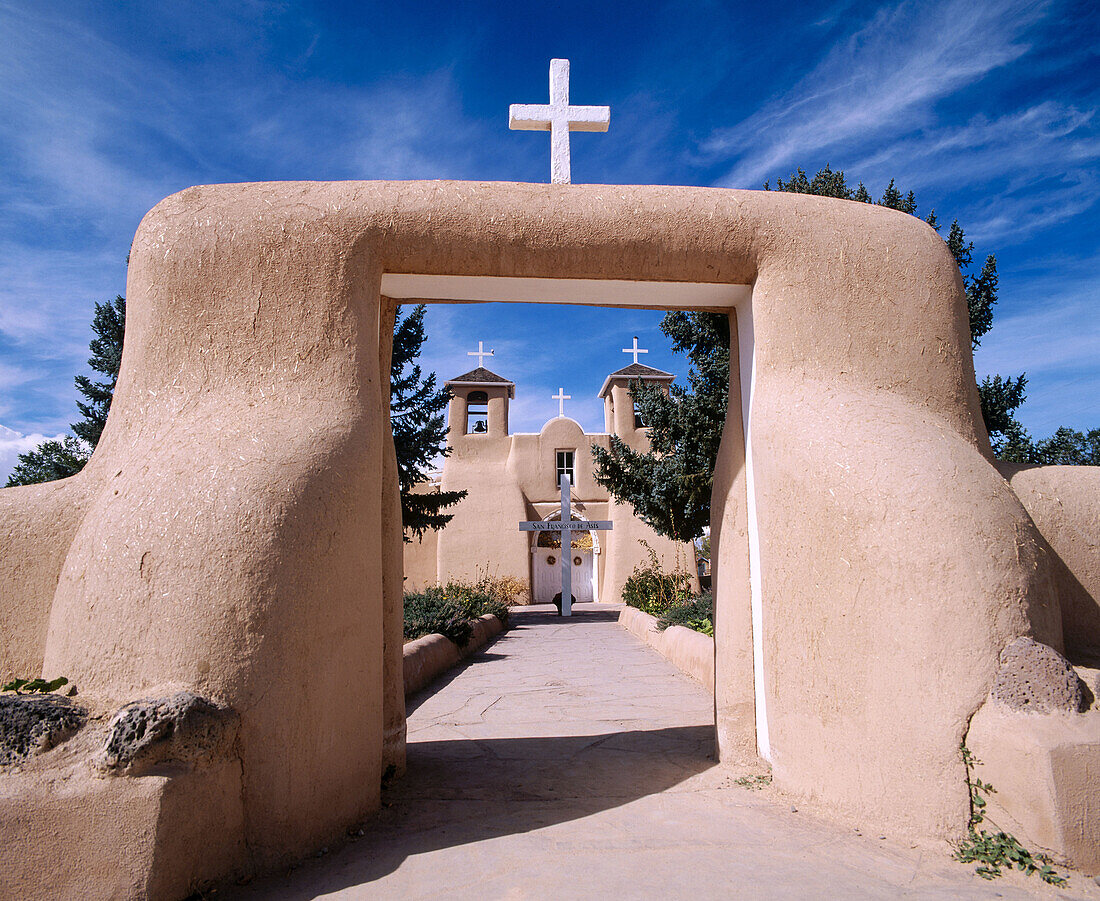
(514, 477)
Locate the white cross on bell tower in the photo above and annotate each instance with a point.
(481, 353)
(561, 397)
(635, 349)
(558, 118)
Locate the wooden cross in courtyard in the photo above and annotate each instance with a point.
(559, 118)
(481, 353)
(561, 397)
(635, 349)
(564, 527)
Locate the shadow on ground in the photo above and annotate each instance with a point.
(458, 792)
(465, 790)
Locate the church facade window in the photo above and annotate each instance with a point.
(565, 459)
(477, 413)
(638, 424)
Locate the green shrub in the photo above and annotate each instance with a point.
(35, 685)
(696, 612)
(451, 609)
(432, 610)
(652, 590)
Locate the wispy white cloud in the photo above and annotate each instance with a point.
(1022, 198)
(988, 147)
(882, 81)
(1017, 213)
(12, 376)
(1059, 333)
(96, 130)
(1054, 337)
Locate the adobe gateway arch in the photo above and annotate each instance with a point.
(237, 532)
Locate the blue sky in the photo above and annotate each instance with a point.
(988, 111)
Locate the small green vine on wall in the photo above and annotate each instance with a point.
(34, 685)
(999, 850)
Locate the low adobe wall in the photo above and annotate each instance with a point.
(689, 651)
(1044, 770)
(430, 655)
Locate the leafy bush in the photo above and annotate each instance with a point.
(451, 609)
(696, 612)
(432, 610)
(652, 590)
(508, 589)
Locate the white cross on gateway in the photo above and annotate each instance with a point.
(558, 118)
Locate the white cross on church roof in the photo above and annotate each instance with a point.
(635, 349)
(561, 397)
(481, 353)
(558, 118)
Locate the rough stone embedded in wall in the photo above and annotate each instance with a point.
(181, 728)
(31, 724)
(1035, 677)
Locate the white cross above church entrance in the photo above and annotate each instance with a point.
(561, 397)
(481, 353)
(565, 526)
(635, 349)
(558, 118)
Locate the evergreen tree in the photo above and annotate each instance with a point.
(670, 486)
(108, 324)
(61, 459)
(1068, 447)
(891, 197)
(419, 429)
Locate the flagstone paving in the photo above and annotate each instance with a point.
(567, 760)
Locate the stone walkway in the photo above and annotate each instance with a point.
(568, 761)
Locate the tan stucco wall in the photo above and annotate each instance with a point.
(734, 691)
(234, 536)
(393, 590)
(1064, 502)
(37, 524)
(483, 537)
(420, 561)
(1044, 769)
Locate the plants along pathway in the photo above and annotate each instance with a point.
(567, 760)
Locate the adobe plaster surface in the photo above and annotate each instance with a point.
(1063, 501)
(235, 533)
(567, 760)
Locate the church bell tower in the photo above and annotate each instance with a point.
(479, 405)
(620, 413)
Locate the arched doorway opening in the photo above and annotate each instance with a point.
(546, 551)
